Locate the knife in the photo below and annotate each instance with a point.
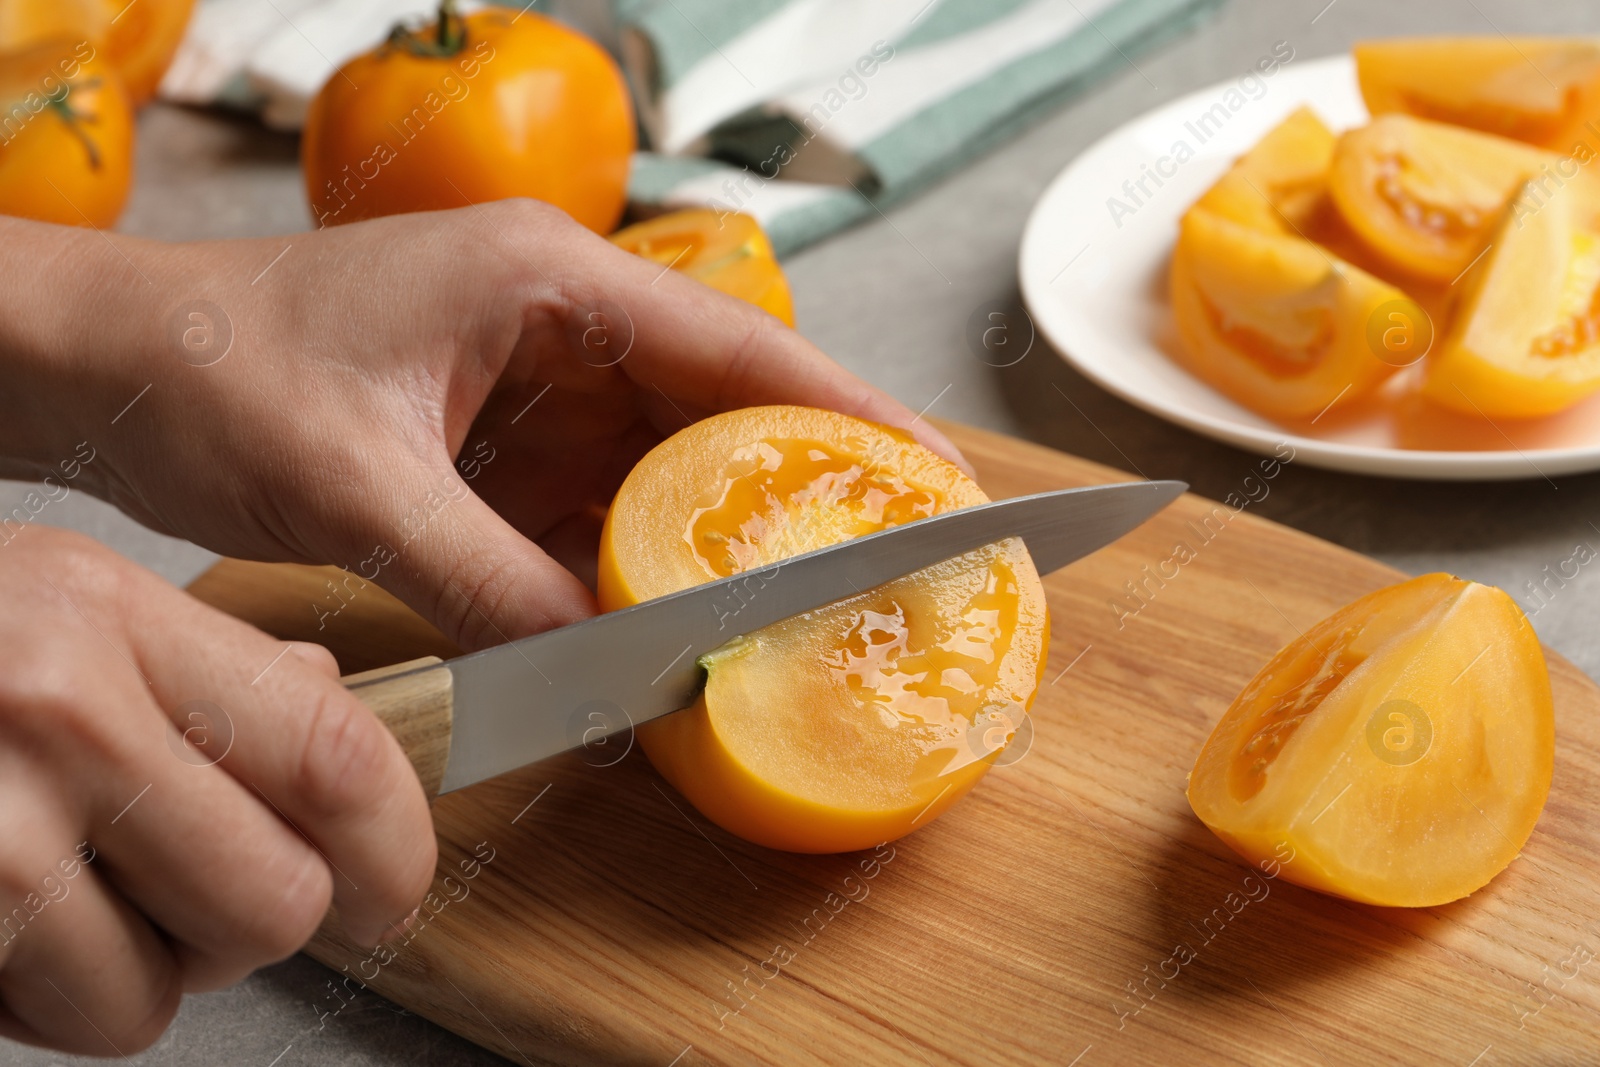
(471, 718)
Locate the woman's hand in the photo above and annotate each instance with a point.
(443, 403)
(184, 795)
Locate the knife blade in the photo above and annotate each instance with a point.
(580, 685)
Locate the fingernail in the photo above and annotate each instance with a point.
(400, 930)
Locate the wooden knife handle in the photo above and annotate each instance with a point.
(417, 710)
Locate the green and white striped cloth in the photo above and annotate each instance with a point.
(807, 114)
(813, 114)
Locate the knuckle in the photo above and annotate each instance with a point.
(471, 599)
(521, 212)
(344, 757)
(522, 226)
(73, 554)
(317, 657)
(58, 539)
(48, 704)
(73, 565)
(32, 674)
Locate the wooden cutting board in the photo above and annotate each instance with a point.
(1037, 922)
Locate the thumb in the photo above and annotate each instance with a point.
(457, 563)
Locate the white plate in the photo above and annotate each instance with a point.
(1097, 292)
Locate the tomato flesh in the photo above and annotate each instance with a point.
(857, 722)
(1281, 184)
(1526, 338)
(1401, 750)
(1426, 196)
(725, 250)
(1275, 322)
(1537, 90)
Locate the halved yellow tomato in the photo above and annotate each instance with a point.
(1282, 326)
(1526, 339)
(723, 249)
(1426, 196)
(1282, 182)
(1400, 751)
(855, 723)
(135, 39)
(1541, 90)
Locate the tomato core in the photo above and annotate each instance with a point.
(778, 498)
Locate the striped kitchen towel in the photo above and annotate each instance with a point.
(812, 114)
(808, 114)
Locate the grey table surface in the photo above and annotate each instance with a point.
(890, 300)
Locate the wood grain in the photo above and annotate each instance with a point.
(612, 924)
(416, 707)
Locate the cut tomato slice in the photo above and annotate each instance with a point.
(1426, 196)
(1400, 751)
(1281, 183)
(723, 249)
(1526, 339)
(857, 722)
(1541, 90)
(1282, 326)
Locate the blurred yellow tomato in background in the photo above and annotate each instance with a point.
(66, 136)
(500, 103)
(136, 39)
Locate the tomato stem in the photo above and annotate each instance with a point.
(449, 35)
(452, 34)
(74, 120)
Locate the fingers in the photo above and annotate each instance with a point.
(83, 971)
(233, 787)
(698, 347)
(466, 568)
(719, 353)
(194, 849)
(316, 792)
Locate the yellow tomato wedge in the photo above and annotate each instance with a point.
(725, 250)
(1541, 90)
(852, 724)
(1282, 182)
(1400, 750)
(1282, 326)
(1426, 196)
(1526, 339)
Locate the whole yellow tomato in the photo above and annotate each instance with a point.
(497, 104)
(66, 135)
(137, 39)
